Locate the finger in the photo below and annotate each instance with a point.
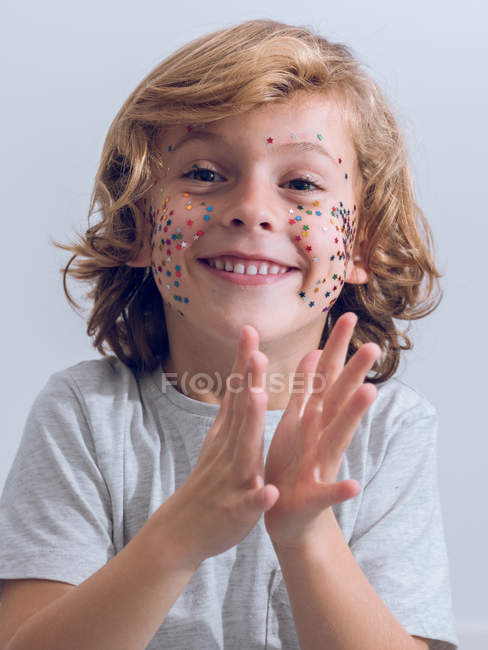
(248, 342)
(263, 499)
(301, 383)
(330, 494)
(340, 431)
(214, 430)
(249, 447)
(241, 405)
(334, 353)
(351, 377)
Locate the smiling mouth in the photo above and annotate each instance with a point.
(257, 269)
(250, 279)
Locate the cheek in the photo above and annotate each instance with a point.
(326, 236)
(177, 224)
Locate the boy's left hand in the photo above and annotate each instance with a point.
(316, 428)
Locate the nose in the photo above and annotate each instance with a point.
(252, 207)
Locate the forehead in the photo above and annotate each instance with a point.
(314, 117)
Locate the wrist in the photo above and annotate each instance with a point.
(323, 536)
(165, 547)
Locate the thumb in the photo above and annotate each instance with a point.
(263, 498)
(334, 493)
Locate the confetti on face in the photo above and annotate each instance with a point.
(166, 250)
(340, 258)
(328, 248)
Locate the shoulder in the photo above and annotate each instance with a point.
(105, 380)
(97, 391)
(400, 418)
(95, 400)
(398, 400)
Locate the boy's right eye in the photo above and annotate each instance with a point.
(202, 174)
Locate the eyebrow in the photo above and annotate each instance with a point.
(206, 136)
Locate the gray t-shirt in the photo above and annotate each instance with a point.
(102, 450)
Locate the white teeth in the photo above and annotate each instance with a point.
(252, 269)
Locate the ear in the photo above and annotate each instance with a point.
(143, 258)
(357, 271)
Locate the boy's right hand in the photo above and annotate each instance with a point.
(224, 496)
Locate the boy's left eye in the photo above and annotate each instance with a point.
(301, 182)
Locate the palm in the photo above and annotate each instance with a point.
(309, 443)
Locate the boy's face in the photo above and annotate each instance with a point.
(280, 182)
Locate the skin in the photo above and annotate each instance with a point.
(251, 202)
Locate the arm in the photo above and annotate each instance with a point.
(333, 604)
(120, 607)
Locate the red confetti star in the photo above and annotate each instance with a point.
(340, 161)
(297, 238)
(189, 222)
(269, 140)
(309, 248)
(336, 240)
(291, 220)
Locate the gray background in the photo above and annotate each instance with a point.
(66, 70)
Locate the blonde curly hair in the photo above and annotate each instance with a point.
(226, 73)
